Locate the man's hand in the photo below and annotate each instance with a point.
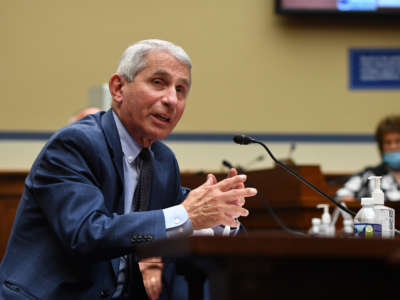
(218, 203)
(151, 269)
(232, 173)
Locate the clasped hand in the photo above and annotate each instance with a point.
(218, 203)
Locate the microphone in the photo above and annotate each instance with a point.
(230, 166)
(291, 150)
(245, 140)
(227, 164)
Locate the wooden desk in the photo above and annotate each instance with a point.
(292, 201)
(277, 266)
(11, 188)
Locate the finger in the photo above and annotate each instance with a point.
(232, 211)
(235, 194)
(230, 221)
(240, 201)
(153, 287)
(239, 185)
(230, 183)
(211, 179)
(147, 286)
(232, 172)
(156, 288)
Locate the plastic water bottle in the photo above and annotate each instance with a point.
(385, 215)
(366, 222)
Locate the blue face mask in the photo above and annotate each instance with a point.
(392, 159)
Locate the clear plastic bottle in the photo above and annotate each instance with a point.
(347, 230)
(326, 227)
(385, 215)
(366, 223)
(315, 227)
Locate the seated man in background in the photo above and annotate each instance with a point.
(387, 136)
(105, 184)
(83, 113)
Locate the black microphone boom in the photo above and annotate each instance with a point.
(245, 140)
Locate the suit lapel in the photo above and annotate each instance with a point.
(114, 146)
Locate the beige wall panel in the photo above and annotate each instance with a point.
(253, 71)
(202, 156)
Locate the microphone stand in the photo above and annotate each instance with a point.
(264, 202)
(244, 140)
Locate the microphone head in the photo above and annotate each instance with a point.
(242, 139)
(227, 164)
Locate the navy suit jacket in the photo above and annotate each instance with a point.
(69, 229)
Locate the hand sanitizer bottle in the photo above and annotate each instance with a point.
(385, 215)
(366, 223)
(326, 228)
(315, 227)
(347, 230)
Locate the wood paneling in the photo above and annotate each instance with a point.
(11, 188)
(294, 202)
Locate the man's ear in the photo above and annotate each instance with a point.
(115, 85)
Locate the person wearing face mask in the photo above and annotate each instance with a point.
(387, 136)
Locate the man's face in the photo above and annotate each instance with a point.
(154, 102)
(391, 142)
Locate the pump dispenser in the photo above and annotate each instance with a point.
(326, 229)
(377, 193)
(326, 217)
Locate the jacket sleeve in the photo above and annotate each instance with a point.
(76, 188)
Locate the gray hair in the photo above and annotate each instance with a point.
(133, 60)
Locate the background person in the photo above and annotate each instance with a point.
(83, 113)
(387, 136)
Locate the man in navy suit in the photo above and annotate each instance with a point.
(75, 224)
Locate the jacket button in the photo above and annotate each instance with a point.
(104, 294)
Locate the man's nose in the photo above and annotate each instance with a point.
(171, 97)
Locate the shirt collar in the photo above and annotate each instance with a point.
(130, 147)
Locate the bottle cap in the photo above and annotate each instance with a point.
(367, 201)
(326, 217)
(377, 193)
(316, 221)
